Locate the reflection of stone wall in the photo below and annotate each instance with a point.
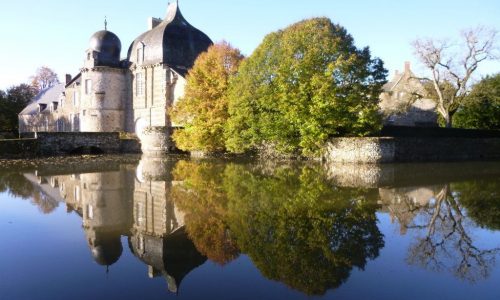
(154, 212)
(355, 175)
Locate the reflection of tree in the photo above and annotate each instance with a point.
(482, 201)
(296, 227)
(18, 186)
(300, 230)
(201, 197)
(447, 245)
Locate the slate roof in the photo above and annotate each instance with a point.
(173, 42)
(47, 96)
(108, 48)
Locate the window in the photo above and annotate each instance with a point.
(75, 99)
(140, 53)
(88, 56)
(54, 106)
(139, 80)
(90, 212)
(88, 87)
(41, 107)
(77, 194)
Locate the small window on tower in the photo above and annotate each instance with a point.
(88, 56)
(88, 87)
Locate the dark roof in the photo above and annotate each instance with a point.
(108, 48)
(173, 42)
(45, 97)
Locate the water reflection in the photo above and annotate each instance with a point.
(439, 220)
(307, 226)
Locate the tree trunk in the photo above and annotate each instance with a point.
(448, 121)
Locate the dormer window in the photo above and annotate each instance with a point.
(140, 53)
(54, 106)
(41, 107)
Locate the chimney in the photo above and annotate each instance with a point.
(153, 22)
(407, 66)
(68, 78)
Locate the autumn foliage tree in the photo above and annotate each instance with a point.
(44, 78)
(302, 85)
(202, 112)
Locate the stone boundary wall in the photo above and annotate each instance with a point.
(61, 143)
(410, 149)
(406, 131)
(64, 143)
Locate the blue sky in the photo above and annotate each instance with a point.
(56, 32)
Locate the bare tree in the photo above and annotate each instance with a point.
(451, 71)
(44, 78)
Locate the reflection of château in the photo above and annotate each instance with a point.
(122, 203)
(224, 209)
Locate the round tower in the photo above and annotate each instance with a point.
(103, 86)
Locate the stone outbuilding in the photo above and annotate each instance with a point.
(399, 107)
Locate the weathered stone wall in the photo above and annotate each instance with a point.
(410, 149)
(60, 143)
(103, 109)
(157, 141)
(130, 146)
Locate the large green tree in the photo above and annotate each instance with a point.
(302, 85)
(12, 103)
(203, 110)
(482, 106)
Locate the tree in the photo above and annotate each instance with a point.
(450, 74)
(200, 196)
(44, 78)
(12, 103)
(302, 85)
(203, 110)
(298, 229)
(481, 109)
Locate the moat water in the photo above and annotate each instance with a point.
(144, 228)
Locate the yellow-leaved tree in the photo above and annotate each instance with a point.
(202, 112)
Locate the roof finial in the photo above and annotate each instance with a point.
(105, 23)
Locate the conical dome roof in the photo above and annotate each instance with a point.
(174, 42)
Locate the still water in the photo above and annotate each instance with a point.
(144, 228)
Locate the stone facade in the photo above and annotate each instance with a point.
(131, 95)
(398, 103)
